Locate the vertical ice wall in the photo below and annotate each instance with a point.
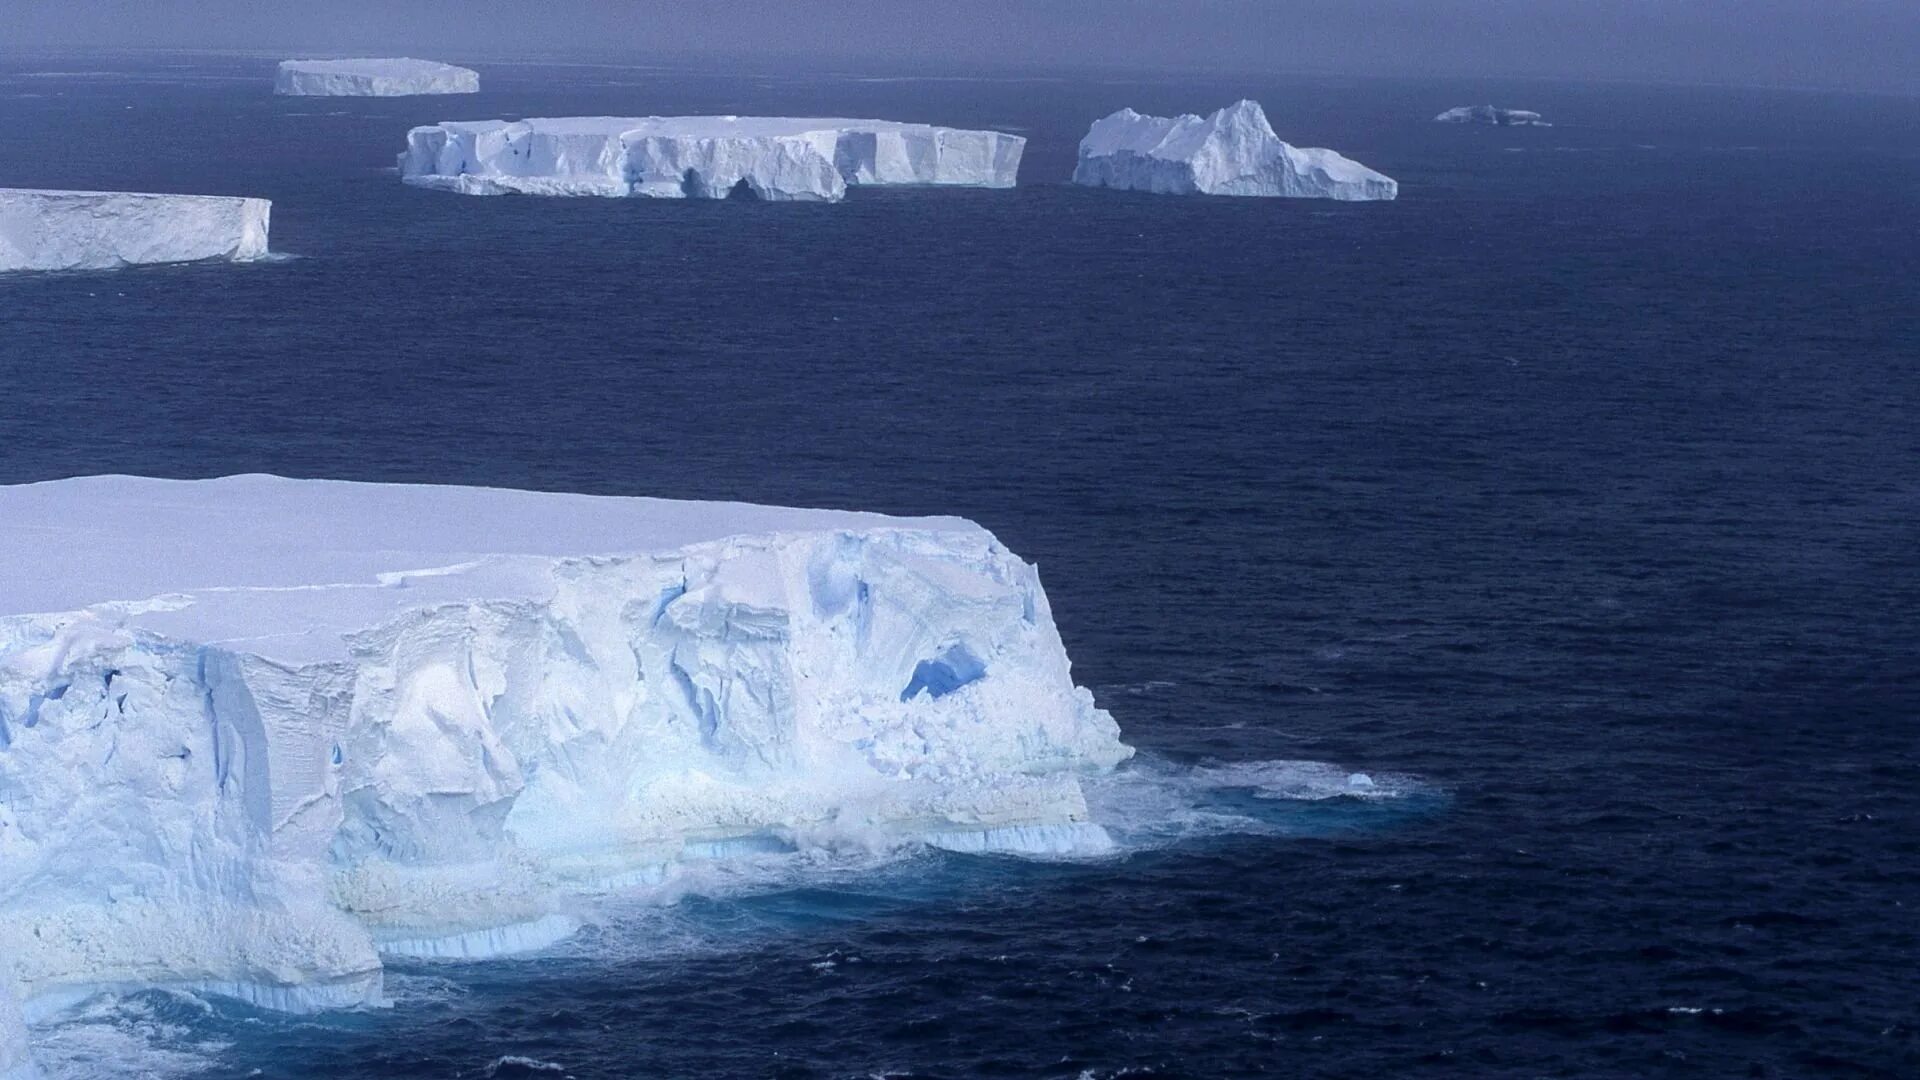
(370, 733)
(102, 230)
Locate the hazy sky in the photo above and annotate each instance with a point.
(1863, 43)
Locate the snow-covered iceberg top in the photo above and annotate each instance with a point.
(396, 77)
(702, 157)
(1487, 114)
(255, 731)
(101, 230)
(1232, 152)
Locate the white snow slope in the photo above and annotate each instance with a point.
(400, 77)
(1232, 152)
(101, 230)
(1488, 114)
(256, 731)
(702, 157)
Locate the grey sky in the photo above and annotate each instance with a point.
(1862, 43)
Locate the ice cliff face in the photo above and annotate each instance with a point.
(101, 230)
(702, 157)
(373, 78)
(15, 1063)
(1487, 114)
(254, 732)
(1232, 152)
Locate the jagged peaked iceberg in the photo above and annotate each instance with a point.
(1232, 152)
(396, 77)
(702, 157)
(256, 731)
(1487, 114)
(101, 230)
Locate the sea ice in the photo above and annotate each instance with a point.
(1232, 152)
(702, 157)
(1487, 114)
(400, 77)
(256, 731)
(101, 230)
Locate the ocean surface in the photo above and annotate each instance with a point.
(1573, 498)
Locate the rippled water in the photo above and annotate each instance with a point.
(1573, 499)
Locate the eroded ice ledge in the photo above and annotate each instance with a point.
(395, 77)
(702, 157)
(256, 731)
(103, 230)
(1232, 152)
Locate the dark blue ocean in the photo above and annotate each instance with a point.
(1574, 497)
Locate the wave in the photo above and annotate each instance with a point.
(1155, 802)
(154, 1035)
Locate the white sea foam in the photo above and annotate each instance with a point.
(1152, 802)
(149, 1035)
(516, 1064)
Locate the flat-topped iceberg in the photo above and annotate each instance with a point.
(396, 77)
(255, 731)
(1487, 114)
(702, 157)
(1232, 152)
(101, 230)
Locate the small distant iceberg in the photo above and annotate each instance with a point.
(104, 230)
(1232, 152)
(397, 77)
(1491, 116)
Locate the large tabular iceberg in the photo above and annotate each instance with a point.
(256, 731)
(401, 77)
(1487, 114)
(1232, 152)
(702, 157)
(100, 230)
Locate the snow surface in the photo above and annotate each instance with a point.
(373, 78)
(702, 157)
(1232, 152)
(256, 731)
(1487, 114)
(101, 230)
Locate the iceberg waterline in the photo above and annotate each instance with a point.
(102, 230)
(712, 157)
(255, 731)
(373, 77)
(1232, 152)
